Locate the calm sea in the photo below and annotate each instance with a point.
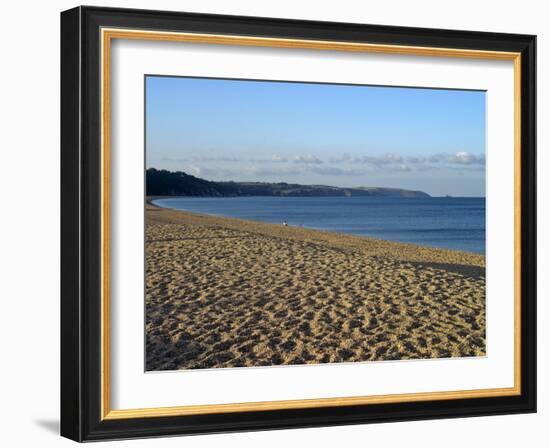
(451, 223)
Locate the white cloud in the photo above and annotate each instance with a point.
(466, 158)
(335, 171)
(301, 167)
(396, 162)
(386, 159)
(278, 158)
(308, 159)
(216, 159)
(194, 170)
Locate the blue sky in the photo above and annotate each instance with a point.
(426, 139)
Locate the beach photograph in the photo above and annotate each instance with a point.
(293, 223)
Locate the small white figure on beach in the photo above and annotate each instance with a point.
(285, 224)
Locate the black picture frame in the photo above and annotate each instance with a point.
(81, 224)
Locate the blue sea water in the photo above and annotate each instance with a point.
(451, 223)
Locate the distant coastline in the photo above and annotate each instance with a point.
(169, 184)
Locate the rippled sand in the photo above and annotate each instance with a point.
(224, 292)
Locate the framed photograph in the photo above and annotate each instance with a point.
(273, 223)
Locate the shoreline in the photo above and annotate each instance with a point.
(225, 292)
(339, 235)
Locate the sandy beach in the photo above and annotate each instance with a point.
(223, 292)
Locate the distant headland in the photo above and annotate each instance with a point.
(178, 183)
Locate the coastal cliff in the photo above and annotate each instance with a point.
(168, 183)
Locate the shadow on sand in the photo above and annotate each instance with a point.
(475, 272)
